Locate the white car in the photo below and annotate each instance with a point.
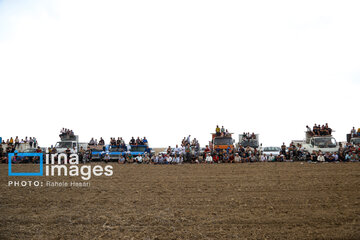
(275, 151)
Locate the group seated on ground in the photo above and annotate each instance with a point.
(139, 141)
(16, 142)
(355, 133)
(296, 152)
(5, 150)
(222, 132)
(324, 130)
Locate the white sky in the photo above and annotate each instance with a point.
(166, 69)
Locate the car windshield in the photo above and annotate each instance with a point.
(115, 149)
(222, 141)
(137, 149)
(271, 149)
(356, 141)
(249, 140)
(63, 145)
(325, 142)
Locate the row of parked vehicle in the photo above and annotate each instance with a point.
(218, 143)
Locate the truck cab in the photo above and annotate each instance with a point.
(320, 143)
(355, 139)
(222, 142)
(97, 151)
(116, 151)
(69, 142)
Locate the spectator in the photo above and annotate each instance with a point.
(31, 142)
(321, 158)
(222, 131)
(121, 159)
(92, 142)
(17, 142)
(209, 158)
(217, 130)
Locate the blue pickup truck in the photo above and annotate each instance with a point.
(135, 150)
(116, 151)
(97, 152)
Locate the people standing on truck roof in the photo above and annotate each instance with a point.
(308, 129)
(217, 130)
(222, 131)
(35, 142)
(315, 129)
(31, 142)
(353, 132)
(17, 141)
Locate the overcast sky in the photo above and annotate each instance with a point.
(166, 69)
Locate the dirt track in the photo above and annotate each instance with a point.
(225, 201)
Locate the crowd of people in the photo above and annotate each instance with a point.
(95, 142)
(318, 130)
(248, 136)
(16, 142)
(189, 150)
(64, 132)
(296, 152)
(240, 154)
(355, 133)
(6, 149)
(119, 142)
(221, 132)
(138, 141)
(151, 159)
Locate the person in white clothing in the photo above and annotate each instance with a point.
(177, 150)
(321, 158)
(209, 159)
(237, 158)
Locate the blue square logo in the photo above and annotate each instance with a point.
(40, 155)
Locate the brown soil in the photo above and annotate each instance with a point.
(225, 201)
